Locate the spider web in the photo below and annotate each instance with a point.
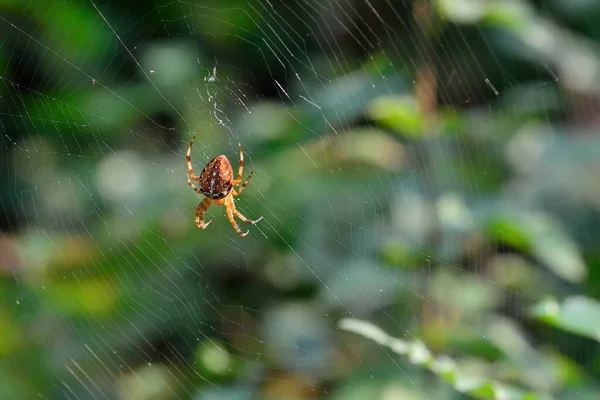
(375, 152)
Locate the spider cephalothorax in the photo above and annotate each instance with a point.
(217, 184)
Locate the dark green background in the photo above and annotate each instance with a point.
(468, 231)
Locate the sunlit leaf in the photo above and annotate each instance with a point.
(361, 146)
(398, 253)
(400, 113)
(461, 11)
(147, 382)
(213, 359)
(577, 314)
(478, 387)
(541, 236)
(510, 232)
(512, 15)
(505, 13)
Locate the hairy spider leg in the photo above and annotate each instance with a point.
(191, 184)
(241, 216)
(237, 192)
(230, 210)
(189, 162)
(200, 210)
(241, 169)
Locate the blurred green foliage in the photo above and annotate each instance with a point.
(441, 185)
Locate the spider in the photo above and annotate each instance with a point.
(216, 183)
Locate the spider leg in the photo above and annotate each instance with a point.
(192, 184)
(241, 169)
(237, 192)
(241, 216)
(189, 162)
(230, 207)
(200, 210)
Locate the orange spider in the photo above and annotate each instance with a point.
(216, 183)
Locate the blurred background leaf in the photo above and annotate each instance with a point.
(427, 172)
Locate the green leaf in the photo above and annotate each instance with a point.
(446, 368)
(360, 146)
(10, 338)
(400, 113)
(93, 297)
(398, 253)
(509, 231)
(577, 314)
(543, 238)
(511, 15)
(213, 361)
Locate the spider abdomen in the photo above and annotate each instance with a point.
(216, 179)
